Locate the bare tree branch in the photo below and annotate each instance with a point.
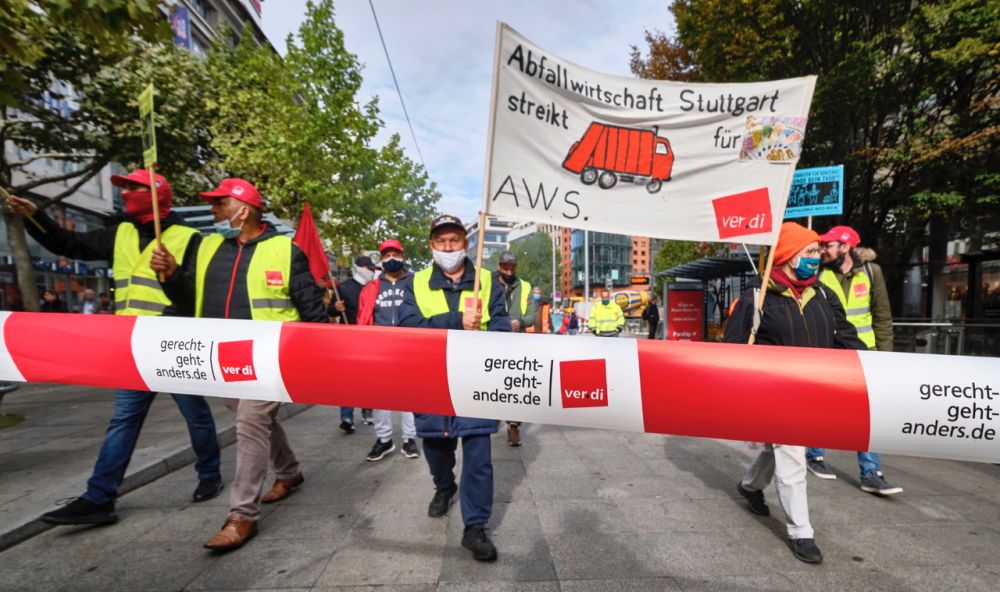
(65, 177)
(71, 190)
(71, 156)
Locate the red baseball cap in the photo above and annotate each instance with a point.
(842, 234)
(141, 176)
(236, 189)
(390, 243)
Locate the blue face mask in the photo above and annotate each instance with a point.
(807, 267)
(225, 228)
(536, 296)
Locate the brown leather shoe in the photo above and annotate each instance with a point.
(282, 488)
(234, 534)
(514, 434)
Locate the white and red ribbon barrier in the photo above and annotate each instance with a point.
(913, 404)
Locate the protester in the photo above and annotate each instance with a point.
(362, 271)
(379, 305)
(606, 317)
(522, 308)
(128, 245)
(849, 272)
(89, 305)
(574, 323)
(652, 315)
(557, 319)
(104, 304)
(799, 312)
(542, 306)
(436, 299)
(51, 302)
(229, 281)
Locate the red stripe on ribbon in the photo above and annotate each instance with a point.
(810, 397)
(365, 366)
(95, 350)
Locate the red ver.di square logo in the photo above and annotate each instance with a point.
(236, 360)
(584, 383)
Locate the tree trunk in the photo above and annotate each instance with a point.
(17, 239)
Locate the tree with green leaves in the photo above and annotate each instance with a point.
(69, 96)
(905, 100)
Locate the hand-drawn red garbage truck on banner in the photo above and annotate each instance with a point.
(575, 147)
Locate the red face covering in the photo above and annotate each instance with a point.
(139, 205)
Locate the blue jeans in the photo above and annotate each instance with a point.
(131, 408)
(869, 462)
(476, 488)
(347, 414)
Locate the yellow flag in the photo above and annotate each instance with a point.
(148, 126)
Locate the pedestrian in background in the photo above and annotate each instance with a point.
(522, 308)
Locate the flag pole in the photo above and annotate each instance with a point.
(487, 174)
(336, 294)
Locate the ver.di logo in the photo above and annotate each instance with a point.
(236, 360)
(584, 383)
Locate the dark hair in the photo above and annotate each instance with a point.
(102, 294)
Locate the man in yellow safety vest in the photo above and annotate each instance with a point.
(606, 317)
(246, 270)
(128, 245)
(850, 273)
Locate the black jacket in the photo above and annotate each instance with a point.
(349, 291)
(820, 322)
(99, 244)
(226, 295)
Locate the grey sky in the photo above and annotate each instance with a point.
(442, 51)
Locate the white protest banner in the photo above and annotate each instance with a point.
(575, 147)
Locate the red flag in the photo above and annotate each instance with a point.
(307, 238)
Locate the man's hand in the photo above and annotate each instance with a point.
(21, 207)
(471, 319)
(163, 262)
(515, 325)
(339, 306)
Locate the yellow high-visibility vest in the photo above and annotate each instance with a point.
(268, 278)
(137, 289)
(857, 304)
(433, 302)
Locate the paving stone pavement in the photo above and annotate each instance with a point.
(576, 511)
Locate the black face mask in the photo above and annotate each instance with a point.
(835, 263)
(508, 278)
(393, 265)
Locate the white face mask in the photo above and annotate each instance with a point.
(362, 275)
(448, 262)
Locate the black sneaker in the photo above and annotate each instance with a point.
(875, 483)
(380, 449)
(207, 489)
(347, 426)
(817, 467)
(80, 511)
(366, 417)
(755, 501)
(410, 449)
(476, 540)
(442, 499)
(805, 550)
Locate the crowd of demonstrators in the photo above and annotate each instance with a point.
(798, 311)
(436, 299)
(823, 292)
(128, 244)
(522, 309)
(379, 304)
(850, 273)
(363, 271)
(247, 270)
